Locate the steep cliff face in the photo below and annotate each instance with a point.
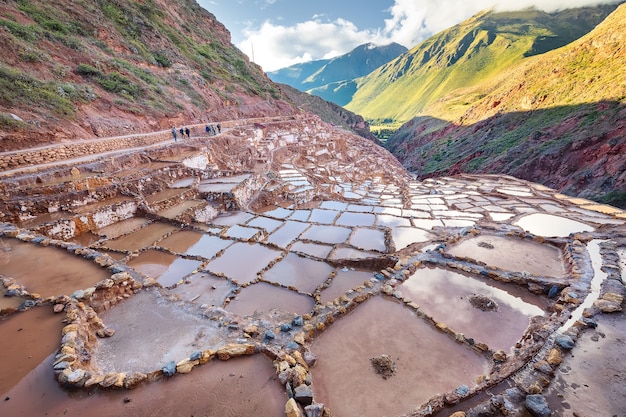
(70, 70)
(557, 119)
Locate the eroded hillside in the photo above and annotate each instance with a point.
(71, 70)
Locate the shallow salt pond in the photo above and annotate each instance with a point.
(548, 225)
(262, 297)
(368, 239)
(204, 289)
(356, 219)
(405, 236)
(428, 361)
(346, 279)
(287, 233)
(243, 261)
(444, 295)
(166, 268)
(47, 270)
(512, 254)
(312, 249)
(302, 273)
(174, 333)
(327, 234)
(141, 238)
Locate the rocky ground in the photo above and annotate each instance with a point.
(288, 264)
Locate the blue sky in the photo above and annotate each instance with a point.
(286, 32)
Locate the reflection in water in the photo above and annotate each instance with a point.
(243, 261)
(548, 225)
(444, 295)
(512, 254)
(303, 273)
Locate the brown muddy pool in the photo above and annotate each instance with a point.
(428, 361)
(244, 386)
(26, 339)
(445, 296)
(512, 254)
(51, 271)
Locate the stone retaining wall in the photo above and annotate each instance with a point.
(55, 153)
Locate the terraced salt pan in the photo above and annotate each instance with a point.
(345, 279)
(122, 227)
(299, 272)
(166, 268)
(177, 210)
(141, 238)
(47, 270)
(204, 289)
(174, 333)
(405, 236)
(312, 249)
(521, 255)
(263, 297)
(548, 225)
(427, 361)
(445, 296)
(243, 261)
(368, 239)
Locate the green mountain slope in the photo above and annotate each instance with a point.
(465, 55)
(558, 119)
(75, 69)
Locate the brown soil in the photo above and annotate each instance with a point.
(384, 366)
(483, 303)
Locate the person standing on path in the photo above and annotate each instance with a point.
(187, 132)
(174, 133)
(219, 128)
(182, 132)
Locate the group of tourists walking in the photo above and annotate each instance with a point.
(211, 130)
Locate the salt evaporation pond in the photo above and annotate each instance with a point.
(428, 361)
(445, 296)
(548, 225)
(521, 255)
(262, 297)
(51, 271)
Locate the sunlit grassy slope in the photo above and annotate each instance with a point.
(463, 56)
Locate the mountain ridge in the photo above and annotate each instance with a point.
(356, 63)
(557, 119)
(464, 55)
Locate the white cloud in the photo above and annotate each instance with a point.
(410, 22)
(277, 46)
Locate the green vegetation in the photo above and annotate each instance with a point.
(18, 88)
(465, 56)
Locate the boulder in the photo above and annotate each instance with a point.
(537, 405)
(292, 409)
